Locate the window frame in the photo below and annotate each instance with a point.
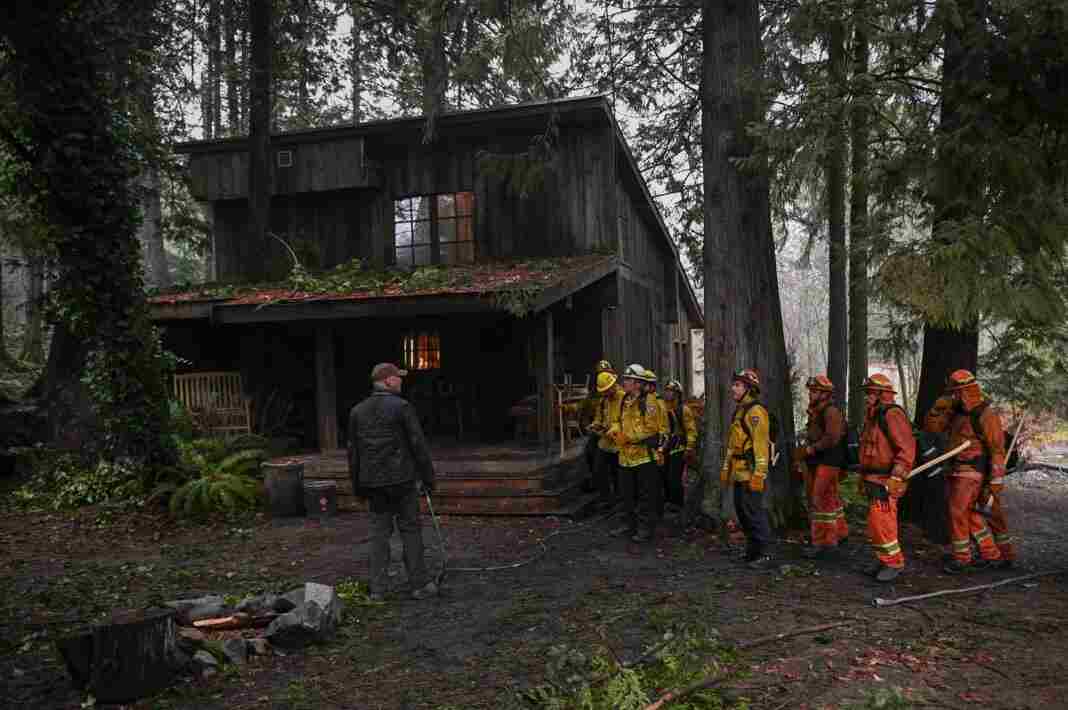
(436, 246)
(411, 357)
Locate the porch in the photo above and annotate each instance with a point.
(516, 478)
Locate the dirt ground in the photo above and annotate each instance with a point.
(490, 632)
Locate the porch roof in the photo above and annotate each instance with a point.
(352, 292)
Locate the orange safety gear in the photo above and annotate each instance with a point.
(883, 455)
(749, 377)
(828, 522)
(605, 366)
(939, 416)
(821, 383)
(988, 441)
(965, 522)
(605, 381)
(959, 379)
(879, 382)
(1000, 529)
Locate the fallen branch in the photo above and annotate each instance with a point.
(880, 602)
(706, 683)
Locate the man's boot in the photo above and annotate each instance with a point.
(955, 567)
(888, 574)
(814, 552)
(430, 589)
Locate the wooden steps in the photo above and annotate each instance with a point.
(483, 480)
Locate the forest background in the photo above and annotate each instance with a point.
(853, 183)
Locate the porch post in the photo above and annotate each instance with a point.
(545, 383)
(325, 388)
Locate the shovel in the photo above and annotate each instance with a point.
(441, 540)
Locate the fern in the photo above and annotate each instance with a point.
(214, 492)
(242, 462)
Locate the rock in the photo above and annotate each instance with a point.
(190, 640)
(258, 646)
(181, 660)
(236, 651)
(201, 605)
(282, 604)
(294, 597)
(261, 604)
(191, 634)
(208, 672)
(314, 621)
(203, 659)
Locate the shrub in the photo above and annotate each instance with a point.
(63, 481)
(215, 475)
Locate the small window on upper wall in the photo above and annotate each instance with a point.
(422, 351)
(434, 229)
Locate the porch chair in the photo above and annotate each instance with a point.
(569, 397)
(217, 399)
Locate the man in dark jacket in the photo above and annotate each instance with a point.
(389, 464)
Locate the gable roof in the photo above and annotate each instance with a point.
(596, 105)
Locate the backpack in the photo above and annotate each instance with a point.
(928, 446)
(983, 464)
(773, 432)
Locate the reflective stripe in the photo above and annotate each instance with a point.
(962, 545)
(825, 517)
(1003, 539)
(981, 535)
(889, 547)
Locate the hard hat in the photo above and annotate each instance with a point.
(605, 380)
(650, 377)
(673, 386)
(821, 383)
(749, 377)
(605, 366)
(959, 379)
(634, 372)
(879, 382)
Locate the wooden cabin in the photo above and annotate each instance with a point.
(510, 254)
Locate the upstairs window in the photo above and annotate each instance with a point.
(434, 229)
(422, 351)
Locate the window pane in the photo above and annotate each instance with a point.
(402, 210)
(402, 234)
(446, 206)
(465, 229)
(421, 256)
(465, 203)
(422, 233)
(458, 253)
(421, 207)
(447, 230)
(404, 256)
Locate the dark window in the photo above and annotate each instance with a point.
(422, 351)
(434, 229)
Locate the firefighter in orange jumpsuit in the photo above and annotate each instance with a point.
(940, 415)
(887, 450)
(823, 455)
(978, 474)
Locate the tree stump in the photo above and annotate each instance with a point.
(129, 656)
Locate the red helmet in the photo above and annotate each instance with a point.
(821, 383)
(959, 379)
(880, 383)
(749, 377)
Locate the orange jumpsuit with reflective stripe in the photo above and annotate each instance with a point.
(966, 483)
(879, 455)
(825, 429)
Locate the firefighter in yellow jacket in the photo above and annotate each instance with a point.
(606, 415)
(681, 445)
(637, 436)
(746, 463)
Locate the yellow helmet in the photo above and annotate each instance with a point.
(650, 377)
(673, 386)
(605, 366)
(605, 381)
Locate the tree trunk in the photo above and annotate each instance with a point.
(150, 233)
(355, 68)
(215, 67)
(259, 178)
(743, 326)
(435, 66)
(5, 359)
(957, 189)
(33, 333)
(837, 336)
(858, 221)
(232, 71)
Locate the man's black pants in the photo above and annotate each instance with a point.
(605, 475)
(400, 502)
(645, 481)
(672, 477)
(753, 518)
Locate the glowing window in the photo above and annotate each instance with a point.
(422, 351)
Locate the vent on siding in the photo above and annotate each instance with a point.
(285, 158)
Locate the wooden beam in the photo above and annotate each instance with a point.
(575, 284)
(193, 310)
(334, 310)
(549, 368)
(326, 388)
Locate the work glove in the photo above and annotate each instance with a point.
(897, 486)
(756, 484)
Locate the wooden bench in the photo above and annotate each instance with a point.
(217, 400)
